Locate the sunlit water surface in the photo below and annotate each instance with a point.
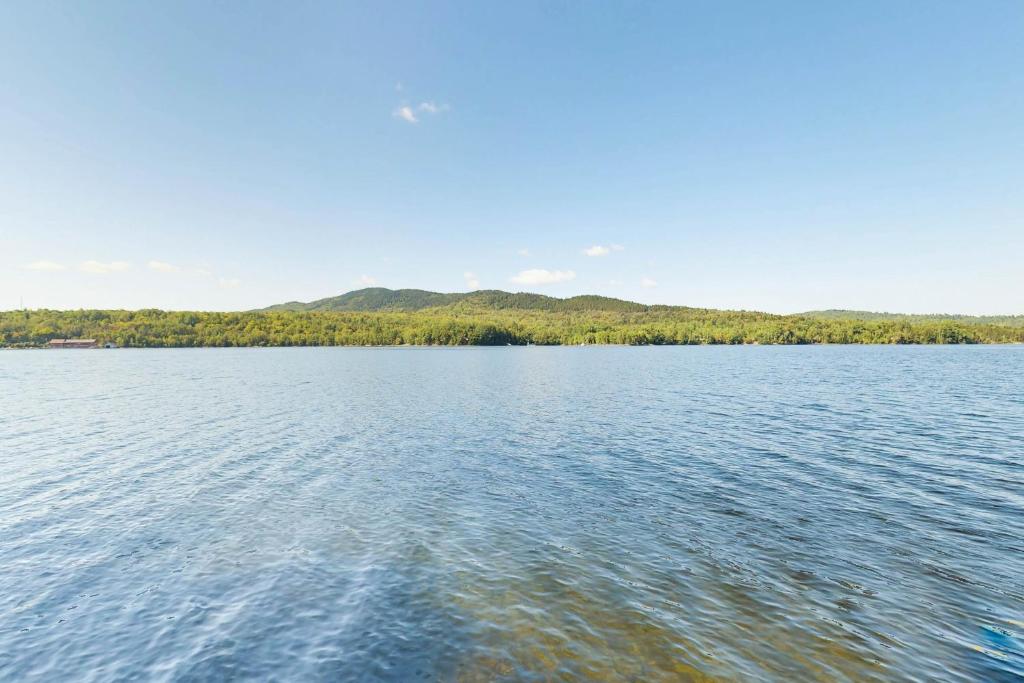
(825, 513)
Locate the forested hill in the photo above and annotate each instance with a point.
(842, 314)
(383, 299)
(378, 316)
(374, 299)
(468, 321)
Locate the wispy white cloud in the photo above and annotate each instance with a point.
(539, 276)
(367, 280)
(163, 267)
(615, 283)
(602, 250)
(649, 283)
(523, 252)
(405, 113)
(411, 113)
(472, 281)
(101, 268)
(44, 265)
(201, 272)
(433, 107)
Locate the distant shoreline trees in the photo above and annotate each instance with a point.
(461, 325)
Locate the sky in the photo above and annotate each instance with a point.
(781, 156)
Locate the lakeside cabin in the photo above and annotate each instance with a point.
(73, 344)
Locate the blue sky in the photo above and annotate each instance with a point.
(779, 156)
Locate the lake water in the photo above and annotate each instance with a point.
(600, 513)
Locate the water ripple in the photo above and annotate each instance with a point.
(825, 513)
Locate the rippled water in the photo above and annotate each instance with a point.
(714, 513)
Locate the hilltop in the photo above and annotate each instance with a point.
(383, 299)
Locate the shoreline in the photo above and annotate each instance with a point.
(525, 346)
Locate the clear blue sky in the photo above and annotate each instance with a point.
(780, 156)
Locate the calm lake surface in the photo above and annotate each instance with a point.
(601, 513)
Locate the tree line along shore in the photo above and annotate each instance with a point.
(455, 326)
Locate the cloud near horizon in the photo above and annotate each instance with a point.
(44, 265)
(367, 280)
(601, 250)
(101, 268)
(648, 283)
(193, 272)
(540, 276)
(472, 281)
(163, 267)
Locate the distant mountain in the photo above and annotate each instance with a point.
(374, 299)
(841, 314)
(383, 299)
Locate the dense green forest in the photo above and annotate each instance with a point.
(839, 314)
(470, 322)
(382, 299)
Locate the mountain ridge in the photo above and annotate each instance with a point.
(384, 299)
(371, 299)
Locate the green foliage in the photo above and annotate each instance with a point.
(839, 314)
(382, 299)
(481, 321)
(374, 299)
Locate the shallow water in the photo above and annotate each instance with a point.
(709, 513)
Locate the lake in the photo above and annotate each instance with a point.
(477, 514)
